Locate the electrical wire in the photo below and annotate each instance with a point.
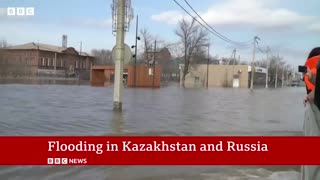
(220, 35)
(213, 32)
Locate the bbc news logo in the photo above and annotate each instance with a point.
(58, 161)
(20, 11)
(65, 161)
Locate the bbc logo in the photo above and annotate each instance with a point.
(20, 11)
(57, 161)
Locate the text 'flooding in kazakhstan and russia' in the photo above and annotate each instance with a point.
(127, 146)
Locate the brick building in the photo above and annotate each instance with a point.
(35, 59)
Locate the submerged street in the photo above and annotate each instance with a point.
(84, 110)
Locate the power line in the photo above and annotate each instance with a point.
(203, 25)
(227, 40)
(262, 51)
(220, 35)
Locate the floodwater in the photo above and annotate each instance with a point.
(171, 110)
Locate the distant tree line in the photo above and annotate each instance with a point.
(102, 56)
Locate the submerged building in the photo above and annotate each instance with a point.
(133, 76)
(36, 59)
(215, 75)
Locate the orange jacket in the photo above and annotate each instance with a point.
(312, 64)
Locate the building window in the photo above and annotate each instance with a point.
(84, 65)
(48, 62)
(52, 62)
(197, 79)
(43, 62)
(77, 64)
(61, 63)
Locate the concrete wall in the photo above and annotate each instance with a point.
(222, 75)
(217, 75)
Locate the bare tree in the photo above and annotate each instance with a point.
(175, 49)
(244, 63)
(102, 56)
(200, 55)
(147, 41)
(276, 66)
(191, 37)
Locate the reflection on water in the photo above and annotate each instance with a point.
(85, 110)
(117, 122)
(35, 81)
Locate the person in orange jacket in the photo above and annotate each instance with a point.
(309, 76)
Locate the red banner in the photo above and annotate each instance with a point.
(159, 150)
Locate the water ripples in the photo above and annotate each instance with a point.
(83, 110)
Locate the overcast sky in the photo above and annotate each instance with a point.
(290, 27)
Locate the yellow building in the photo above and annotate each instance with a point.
(213, 75)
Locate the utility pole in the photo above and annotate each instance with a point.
(80, 55)
(268, 62)
(154, 62)
(135, 54)
(208, 65)
(287, 76)
(234, 59)
(282, 77)
(55, 63)
(277, 66)
(118, 82)
(80, 63)
(253, 59)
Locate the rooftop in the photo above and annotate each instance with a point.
(43, 47)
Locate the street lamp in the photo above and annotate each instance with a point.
(135, 54)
